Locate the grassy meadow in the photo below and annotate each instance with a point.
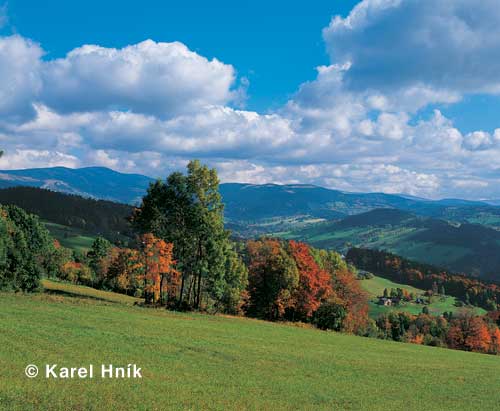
(70, 237)
(201, 362)
(375, 287)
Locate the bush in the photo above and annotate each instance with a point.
(330, 316)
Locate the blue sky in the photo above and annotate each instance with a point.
(399, 96)
(260, 38)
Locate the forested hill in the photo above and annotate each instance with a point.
(467, 248)
(99, 217)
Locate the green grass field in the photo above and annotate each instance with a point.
(70, 237)
(201, 362)
(376, 285)
(80, 291)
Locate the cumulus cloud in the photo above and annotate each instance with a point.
(448, 45)
(358, 126)
(19, 78)
(163, 79)
(37, 158)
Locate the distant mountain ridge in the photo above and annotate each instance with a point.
(250, 203)
(94, 182)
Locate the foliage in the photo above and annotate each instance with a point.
(187, 211)
(272, 278)
(97, 217)
(295, 282)
(26, 250)
(395, 268)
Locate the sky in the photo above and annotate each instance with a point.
(398, 96)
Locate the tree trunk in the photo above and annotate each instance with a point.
(162, 279)
(179, 302)
(189, 290)
(198, 295)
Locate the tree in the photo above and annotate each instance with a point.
(230, 293)
(314, 285)
(96, 255)
(124, 271)
(26, 249)
(272, 278)
(159, 275)
(469, 333)
(187, 211)
(330, 316)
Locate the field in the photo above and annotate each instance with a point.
(376, 285)
(70, 237)
(200, 362)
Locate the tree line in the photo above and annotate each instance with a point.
(99, 217)
(387, 265)
(457, 331)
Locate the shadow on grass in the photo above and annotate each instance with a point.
(63, 293)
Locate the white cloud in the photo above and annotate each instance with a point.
(19, 78)
(150, 107)
(37, 158)
(448, 46)
(163, 79)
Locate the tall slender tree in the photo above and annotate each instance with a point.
(187, 210)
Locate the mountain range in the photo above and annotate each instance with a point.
(456, 234)
(93, 182)
(260, 208)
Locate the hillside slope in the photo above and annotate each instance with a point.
(375, 288)
(192, 361)
(470, 248)
(96, 217)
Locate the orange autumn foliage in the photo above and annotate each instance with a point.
(495, 340)
(314, 283)
(159, 276)
(348, 291)
(470, 334)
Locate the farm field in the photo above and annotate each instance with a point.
(194, 361)
(375, 287)
(70, 237)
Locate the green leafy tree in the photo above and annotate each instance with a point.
(25, 244)
(272, 276)
(330, 316)
(98, 252)
(187, 210)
